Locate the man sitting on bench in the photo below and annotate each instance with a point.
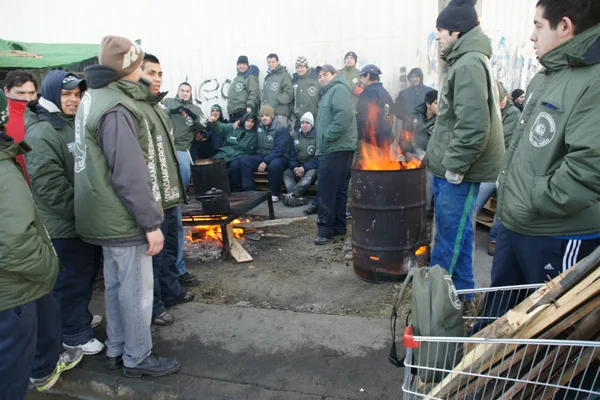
(272, 154)
(303, 164)
(239, 142)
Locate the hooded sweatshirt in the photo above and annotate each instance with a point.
(184, 128)
(244, 92)
(278, 91)
(411, 97)
(51, 135)
(467, 138)
(238, 141)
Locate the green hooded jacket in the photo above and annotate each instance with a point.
(550, 182)
(349, 74)
(278, 91)
(336, 121)
(243, 92)
(28, 263)
(238, 142)
(50, 166)
(306, 94)
(467, 138)
(184, 128)
(170, 183)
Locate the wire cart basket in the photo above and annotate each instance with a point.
(527, 368)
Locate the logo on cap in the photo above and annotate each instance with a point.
(69, 78)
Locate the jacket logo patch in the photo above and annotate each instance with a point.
(239, 87)
(355, 80)
(312, 91)
(543, 130)
(80, 144)
(189, 121)
(274, 86)
(71, 146)
(270, 138)
(259, 130)
(311, 150)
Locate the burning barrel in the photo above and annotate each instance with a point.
(389, 219)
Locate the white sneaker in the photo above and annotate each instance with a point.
(275, 199)
(92, 347)
(96, 321)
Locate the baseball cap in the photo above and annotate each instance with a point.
(327, 68)
(372, 68)
(71, 81)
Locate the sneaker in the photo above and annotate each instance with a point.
(164, 319)
(189, 280)
(275, 199)
(187, 297)
(113, 363)
(153, 365)
(312, 209)
(491, 248)
(90, 348)
(66, 361)
(96, 321)
(321, 240)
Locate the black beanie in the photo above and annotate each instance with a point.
(517, 93)
(353, 54)
(458, 16)
(243, 60)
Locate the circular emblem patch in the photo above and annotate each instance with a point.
(274, 86)
(312, 91)
(239, 87)
(355, 80)
(189, 121)
(311, 150)
(269, 137)
(543, 130)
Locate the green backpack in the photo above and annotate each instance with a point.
(436, 311)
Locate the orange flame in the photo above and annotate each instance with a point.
(374, 258)
(203, 233)
(374, 158)
(421, 250)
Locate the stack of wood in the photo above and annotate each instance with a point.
(566, 308)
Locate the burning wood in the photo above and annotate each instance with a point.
(204, 233)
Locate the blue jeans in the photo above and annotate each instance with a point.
(332, 186)
(30, 337)
(486, 191)
(299, 187)
(128, 293)
(275, 169)
(453, 247)
(185, 169)
(167, 288)
(73, 288)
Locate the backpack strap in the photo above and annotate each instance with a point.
(393, 356)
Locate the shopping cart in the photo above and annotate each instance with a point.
(525, 369)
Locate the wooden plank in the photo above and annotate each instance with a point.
(237, 251)
(275, 235)
(271, 222)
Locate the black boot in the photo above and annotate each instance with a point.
(153, 365)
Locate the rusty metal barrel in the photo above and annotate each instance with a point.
(389, 223)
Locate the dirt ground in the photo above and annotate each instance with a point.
(290, 274)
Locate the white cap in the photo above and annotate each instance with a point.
(308, 117)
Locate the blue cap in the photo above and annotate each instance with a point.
(370, 68)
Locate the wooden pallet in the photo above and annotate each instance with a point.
(486, 216)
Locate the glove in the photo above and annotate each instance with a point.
(454, 178)
(190, 113)
(176, 110)
(357, 90)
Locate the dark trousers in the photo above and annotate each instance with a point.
(234, 172)
(236, 116)
(522, 260)
(332, 188)
(30, 338)
(167, 289)
(73, 289)
(275, 169)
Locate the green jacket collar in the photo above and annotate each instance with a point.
(151, 98)
(8, 148)
(335, 81)
(128, 88)
(473, 41)
(582, 50)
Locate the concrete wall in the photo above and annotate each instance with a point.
(200, 41)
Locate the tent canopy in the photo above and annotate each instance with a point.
(44, 55)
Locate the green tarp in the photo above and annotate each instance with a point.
(52, 55)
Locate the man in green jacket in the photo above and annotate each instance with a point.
(350, 74)
(118, 202)
(549, 187)
(306, 91)
(187, 119)
(277, 89)
(244, 92)
(240, 140)
(30, 329)
(167, 289)
(510, 122)
(49, 124)
(466, 147)
(336, 143)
